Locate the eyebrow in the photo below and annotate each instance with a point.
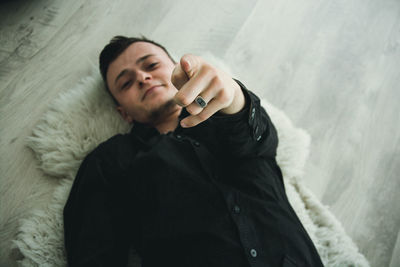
(123, 72)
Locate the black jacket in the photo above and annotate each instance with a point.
(211, 195)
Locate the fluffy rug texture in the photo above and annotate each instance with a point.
(80, 118)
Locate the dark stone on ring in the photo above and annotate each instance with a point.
(200, 101)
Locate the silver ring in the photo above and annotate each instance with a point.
(200, 101)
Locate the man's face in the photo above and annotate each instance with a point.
(140, 80)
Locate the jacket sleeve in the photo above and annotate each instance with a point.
(95, 229)
(248, 133)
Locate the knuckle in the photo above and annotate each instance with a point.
(224, 96)
(189, 109)
(183, 99)
(192, 110)
(209, 71)
(217, 81)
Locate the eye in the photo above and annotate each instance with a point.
(126, 85)
(152, 66)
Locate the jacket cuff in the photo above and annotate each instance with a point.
(250, 114)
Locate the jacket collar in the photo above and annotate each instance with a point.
(145, 132)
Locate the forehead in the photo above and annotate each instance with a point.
(131, 54)
(137, 50)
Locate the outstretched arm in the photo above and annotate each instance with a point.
(243, 126)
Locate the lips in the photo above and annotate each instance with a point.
(149, 90)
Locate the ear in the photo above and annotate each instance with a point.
(124, 114)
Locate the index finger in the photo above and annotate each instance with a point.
(192, 88)
(179, 77)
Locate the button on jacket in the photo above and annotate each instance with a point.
(210, 195)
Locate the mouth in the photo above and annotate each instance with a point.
(150, 90)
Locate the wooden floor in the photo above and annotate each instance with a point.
(332, 66)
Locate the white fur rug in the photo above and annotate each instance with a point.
(84, 116)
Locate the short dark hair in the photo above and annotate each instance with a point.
(116, 47)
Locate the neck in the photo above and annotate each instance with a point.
(169, 121)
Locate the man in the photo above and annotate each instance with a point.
(195, 182)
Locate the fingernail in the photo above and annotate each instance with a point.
(183, 124)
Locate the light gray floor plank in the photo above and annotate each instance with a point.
(395, 261)
(332, 66)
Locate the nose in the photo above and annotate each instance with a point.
(142, 77)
